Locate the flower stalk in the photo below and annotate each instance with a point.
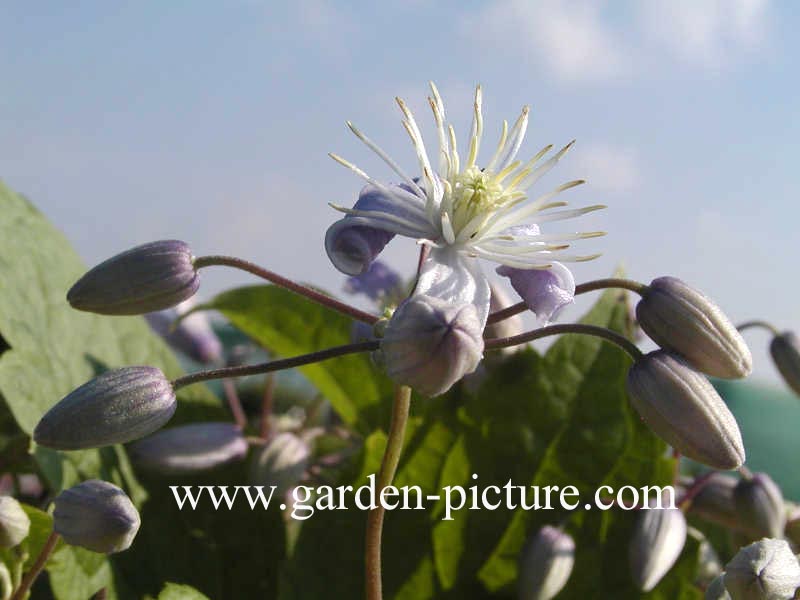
(302, 290)
(37, 567)
(593, 330)
(391, 458)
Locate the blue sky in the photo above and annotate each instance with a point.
(211, 122)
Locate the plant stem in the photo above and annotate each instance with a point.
(601, 332)
(697, 486)
(310, 293)
(391, 458)
(37, 567)
(275, 365)
(234, 403)
(267, 402)
(589, 286)
(756, 323)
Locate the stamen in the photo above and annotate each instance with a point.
(516, 137)
(500, 145)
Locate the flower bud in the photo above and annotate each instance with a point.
(144, 279)
(658, 539)
(189, 448)
(281, 463)
(716, 589)
(680, 318)
(684, 409)
(785, 351)
(119, 406)
(430, 344)
(766, 569)
(759, 503)
(545, 564)
(714, 501)
(192, 335)
(96, 515)
(14, 522)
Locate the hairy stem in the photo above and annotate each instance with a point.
(601, 332)
(275, 365)
(37, 567)
(391, 457)
(589, 286)
(310, 293)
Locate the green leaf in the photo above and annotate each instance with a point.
(52, 348)
(290, 325)
(173, 591)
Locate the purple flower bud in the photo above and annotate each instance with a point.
(684, 409)
(765, 570)
(14, 522)
(716, 589)
(759, 504)
(714, 501)
(96, 515)
(378, 282)
(192, 335)
(545, 291)
(680, 318)
(144, 279)
(658, 539)
(546, 563)
(431, 344)
(785, 351)
(281, 463)
(189, 448)
(119, 406)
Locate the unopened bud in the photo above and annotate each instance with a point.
(765, 570)
(759, 502)
(684, 409)
(680, 318)
(430, 344)
(14, 522)
(716, 589)
(546, 563)
(189, 448)
(96, 515)
(281, 463)
(714, 501)
(785, 351)
(658, 539)
(144, 279)
(119, 406)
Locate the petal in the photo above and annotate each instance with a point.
(545, 291)
(455, 278)
(352, 243)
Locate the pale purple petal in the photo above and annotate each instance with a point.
(545, 291)
(456, 279)
(352, 243)
(193, 335)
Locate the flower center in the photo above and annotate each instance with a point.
(475, 193)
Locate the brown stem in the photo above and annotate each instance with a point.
(37, 567)
(267, 402)
(601, 332)
(310, 293)
(589, 286)
(275, 365)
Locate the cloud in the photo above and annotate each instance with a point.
(569, 37)
(607, 168)
(707, 33)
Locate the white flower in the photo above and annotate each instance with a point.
(464, 211)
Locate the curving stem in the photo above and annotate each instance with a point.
(310, 293)
(757, 323)
(589, 286)
(593, 330)
(391, 458)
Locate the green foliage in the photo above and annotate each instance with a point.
(174, 591)
(289, 326)
(562, 419)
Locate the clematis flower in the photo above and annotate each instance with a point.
(464, 211)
